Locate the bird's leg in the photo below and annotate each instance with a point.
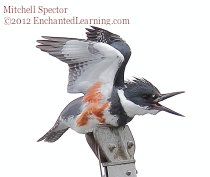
(106, 126)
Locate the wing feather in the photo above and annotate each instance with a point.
(101, 35)
(89, 61)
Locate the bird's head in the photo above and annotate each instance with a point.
(141, 97)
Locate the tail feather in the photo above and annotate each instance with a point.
(52, 136)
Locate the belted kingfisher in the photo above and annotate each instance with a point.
(96, 69)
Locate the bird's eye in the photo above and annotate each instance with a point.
(145, 96)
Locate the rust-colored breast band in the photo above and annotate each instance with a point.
(92, 110)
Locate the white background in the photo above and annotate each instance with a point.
(170, 42)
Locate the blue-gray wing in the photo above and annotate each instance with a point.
(101, 35)
(89, 62)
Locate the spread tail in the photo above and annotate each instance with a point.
(52, 136)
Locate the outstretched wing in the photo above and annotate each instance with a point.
(101, 35)
(89, 62)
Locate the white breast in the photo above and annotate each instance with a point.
(109, 118)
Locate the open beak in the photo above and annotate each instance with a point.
(163, 108)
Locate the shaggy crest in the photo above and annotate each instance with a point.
(140, 82)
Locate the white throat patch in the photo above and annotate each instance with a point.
(132, 109)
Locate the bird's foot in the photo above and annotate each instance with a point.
(106, 126)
